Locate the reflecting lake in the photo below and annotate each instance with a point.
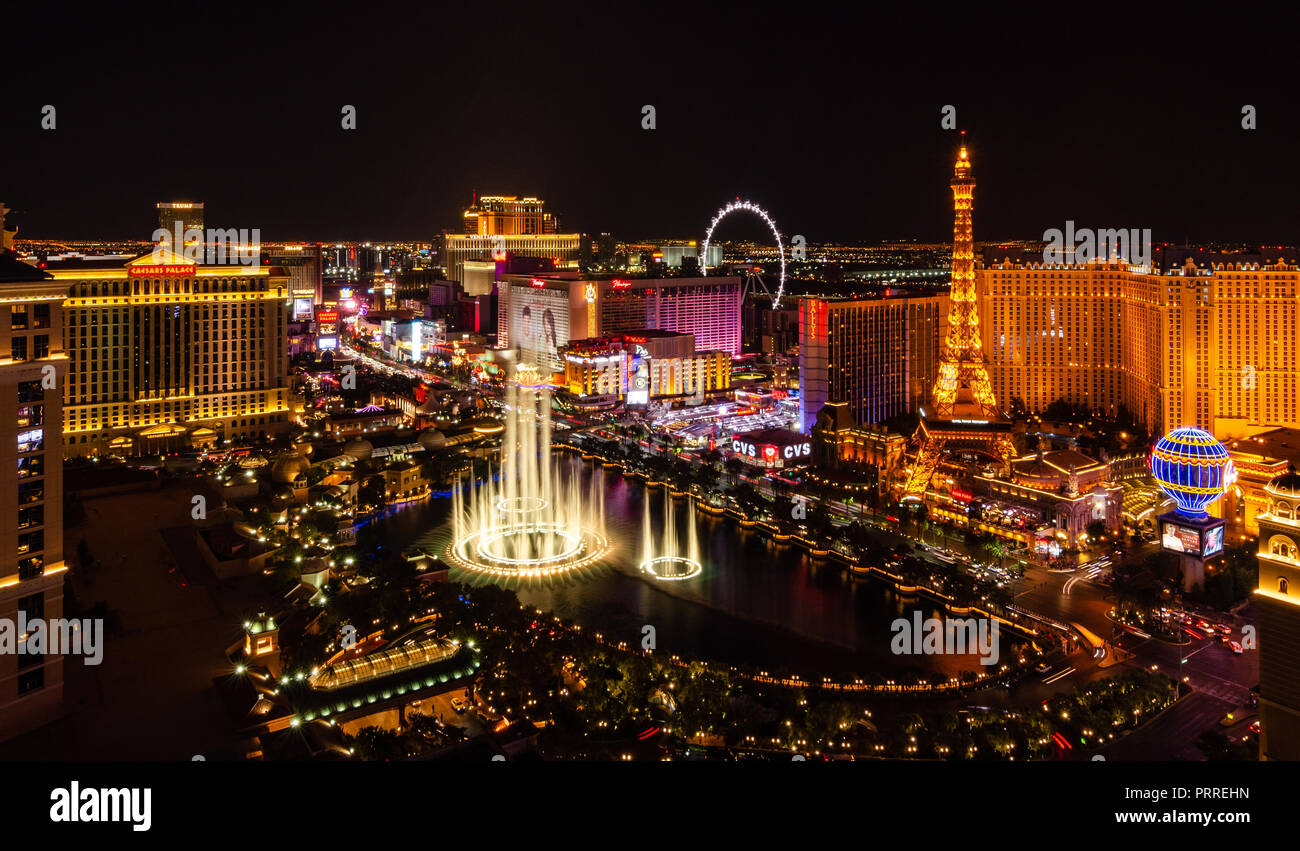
(757, 601)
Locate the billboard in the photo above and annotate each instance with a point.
(538, 324)
(327, 330)
(1204, 538)
(327, 322)
(1213, 541)
(638, 378)
(1181, 539)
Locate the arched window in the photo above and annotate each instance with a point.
(1282, 510)
(1281, 585)
(1280, 545)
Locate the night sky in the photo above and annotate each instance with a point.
(830, 120)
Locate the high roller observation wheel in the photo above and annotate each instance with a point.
(750, 207)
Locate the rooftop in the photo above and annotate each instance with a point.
(1279, 444)
(1165, 259)
(773, 435)
(13, 270)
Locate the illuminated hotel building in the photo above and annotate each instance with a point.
(164, 354)
(33, 371)
(677, 255)
(541, 314)
(878, 356)
(508, 215)
(562, 248)
(190, 215)
(607, 366)
(1063, 489)
(1201, 339)
(304, 264)
(498, 226)
(1278, 602)
(840, 442)
(1258, 461)
(342, 263)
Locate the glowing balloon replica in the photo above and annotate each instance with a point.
(532, 521)
(1195, 470)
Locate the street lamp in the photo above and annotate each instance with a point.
(1178, 678)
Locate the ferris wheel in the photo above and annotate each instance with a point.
(753, 280)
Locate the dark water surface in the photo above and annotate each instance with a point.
(758, 602)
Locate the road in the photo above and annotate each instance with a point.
(1180, 725)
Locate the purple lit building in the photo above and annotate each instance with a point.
(540, 314)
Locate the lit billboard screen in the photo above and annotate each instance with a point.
(538, 324)
(638, 381)
(1182, 539)
(1205, 540)
(302, 308)
(327, 323)
(1213, 541)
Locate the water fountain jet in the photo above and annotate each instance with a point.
(528, 523)
(668, 565)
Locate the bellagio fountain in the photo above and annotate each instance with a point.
(664, 559)
(533, 519)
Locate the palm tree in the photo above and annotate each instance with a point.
(681, 472)
(997, 548)
(706, 475)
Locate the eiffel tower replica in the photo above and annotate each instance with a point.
(964, 415)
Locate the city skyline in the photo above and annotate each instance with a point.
(909, 388)
(1054, 147)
